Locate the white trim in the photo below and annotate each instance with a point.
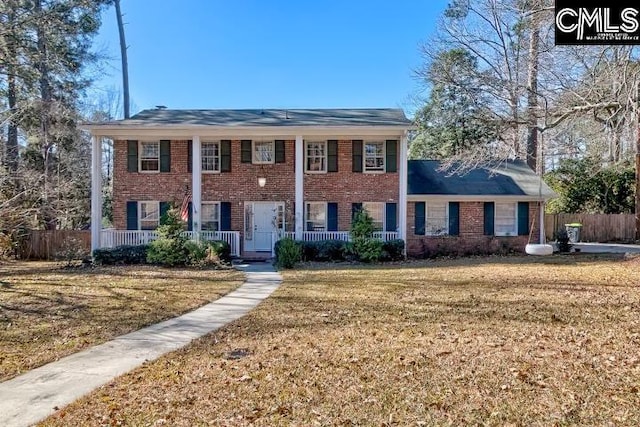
(306, 214)
(218, 143)
(140, 202)
(96, 193)
(306, 157)
(262, 162)
(299, 186)
(140, 143)
(182, 131)
(467, 198)
(384, 156)
(196, 183)
(402, 195)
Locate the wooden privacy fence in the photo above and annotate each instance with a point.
(49, 244)
(595, 227)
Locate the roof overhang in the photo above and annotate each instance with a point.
(188, 131)
(479, 198)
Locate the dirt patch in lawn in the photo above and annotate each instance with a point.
(488, 341)
(47, 312)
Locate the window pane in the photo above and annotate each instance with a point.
(437, 221)
(150, 149)
(505, 218)
(315, 153)
(374, 156)
(149, 215)
(316, 216)
(375, 211)
(210, 156)
(210, 216)
(263, 152)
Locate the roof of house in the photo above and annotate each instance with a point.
(269, 117)
(513, 178)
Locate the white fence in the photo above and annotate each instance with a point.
(314, 236)
(112, 238)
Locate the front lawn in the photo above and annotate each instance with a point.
(490, 341)
(47, 312)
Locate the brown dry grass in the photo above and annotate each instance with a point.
(493, 341)
(47, 312)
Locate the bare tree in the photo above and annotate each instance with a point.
(125, 62)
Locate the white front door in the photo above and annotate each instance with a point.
(262, 222)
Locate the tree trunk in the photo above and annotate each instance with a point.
(532, 96)
(125, 63)
(12, 128)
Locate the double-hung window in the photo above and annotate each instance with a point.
(374, 156)
(210, 156)
(506, 220)
(316, 216)
(376, 211)
(210, 216)
(149, 215)
(149, 156)
(263, 152)
(316, 160)
(437, 221)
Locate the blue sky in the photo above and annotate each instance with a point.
(270, 54)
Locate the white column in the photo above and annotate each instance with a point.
(402, 195)
(299, 214)
(196, 183)
(541, 231)
(96, 192)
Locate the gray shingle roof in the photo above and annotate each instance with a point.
(507, 179)
(271, 117)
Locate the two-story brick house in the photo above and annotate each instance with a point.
(254, 175)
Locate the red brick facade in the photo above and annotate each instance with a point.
(471, 239)
(343, 187)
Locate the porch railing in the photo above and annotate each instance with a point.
(314, 236)
(112, 238)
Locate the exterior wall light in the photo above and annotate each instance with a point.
(262, 182)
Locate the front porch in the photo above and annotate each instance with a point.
(113, 238)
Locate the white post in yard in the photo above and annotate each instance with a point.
(299, 188)
(402, 196)
(96, 192)
(196, 184)
(541, 231)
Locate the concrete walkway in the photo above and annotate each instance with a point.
(29, 398)
(607, 248)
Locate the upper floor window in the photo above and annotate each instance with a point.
(374, 156)
(375, 211)
(149, 215)
(149, 156)
(316, 157)
(506, 223)
(316, 216)
(263, 152)
(210, 157)
(210, 213)
(437, 221)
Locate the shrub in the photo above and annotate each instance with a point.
(392, 250)
(205, 252)
(288, 253)
(169, 249)
(222, 249)
(125, 254)
(368, 250)
(362, 226)
(309, 250)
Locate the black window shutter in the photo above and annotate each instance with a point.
(391, 162)
(356, 156)
(132, 156)
(190, 218)
(165, 155)
(225, 155)
(454, 218)
(245, 151)
(355, 208)
(132, 215)
(279, 151)
(189, 156)
(489, 210)
(332, 217)
(391, 217)
(523, 218)
(225, 216)
(420, 218)
(164, 207)
(332, 155)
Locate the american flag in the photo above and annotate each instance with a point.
(184, 209)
